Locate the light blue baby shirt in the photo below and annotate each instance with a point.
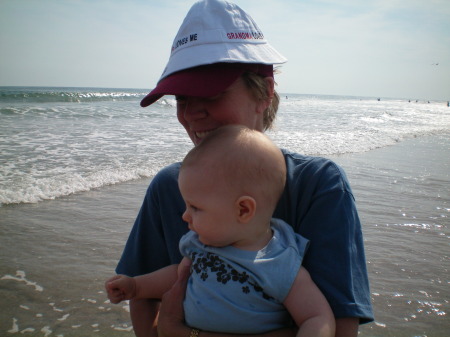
(237, 291)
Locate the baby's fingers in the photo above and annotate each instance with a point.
(116, 296)
(109, 284)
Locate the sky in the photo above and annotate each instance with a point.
(371, 48)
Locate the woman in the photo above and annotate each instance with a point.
(221, 72)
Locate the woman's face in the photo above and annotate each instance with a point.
(235, 105)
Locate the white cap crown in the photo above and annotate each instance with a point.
(219, 31)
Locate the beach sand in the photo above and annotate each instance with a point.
(403, 197)
(56, 255)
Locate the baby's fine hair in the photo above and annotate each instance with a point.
(244, 159)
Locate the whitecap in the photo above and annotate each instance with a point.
(28, 330)
(46, 330)
(20, 277)
(15, 326)
(63, 318)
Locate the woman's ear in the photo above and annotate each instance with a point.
(270, 84)
(246, 208)
(270, 88)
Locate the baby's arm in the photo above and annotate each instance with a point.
(309, 308)
(153, 285)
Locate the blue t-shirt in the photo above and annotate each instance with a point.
(317, 202)
(242, 291)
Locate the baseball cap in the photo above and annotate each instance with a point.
(216, 43)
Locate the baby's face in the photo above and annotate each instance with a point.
(211, 209)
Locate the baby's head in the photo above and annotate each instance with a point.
(242, 161)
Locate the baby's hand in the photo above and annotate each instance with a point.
(120, 288)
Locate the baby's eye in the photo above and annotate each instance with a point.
(194, 208)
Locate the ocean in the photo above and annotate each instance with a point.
(75, 164)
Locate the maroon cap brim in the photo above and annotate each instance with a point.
(204, 81)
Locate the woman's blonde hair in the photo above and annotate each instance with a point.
(258, 87)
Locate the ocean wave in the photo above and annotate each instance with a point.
(50, 188)
(41, 95)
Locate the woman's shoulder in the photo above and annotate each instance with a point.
(303, 169)
(166, 174)
(297, 160)
(165, 182)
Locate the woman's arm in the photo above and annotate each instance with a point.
(309, 308)
(314, 185)
(347, 327)
(144, 312)
(144, 317)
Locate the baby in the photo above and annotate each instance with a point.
(246, 273)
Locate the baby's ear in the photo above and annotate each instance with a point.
(246, 208)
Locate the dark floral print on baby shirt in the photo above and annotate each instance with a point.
(207, 263)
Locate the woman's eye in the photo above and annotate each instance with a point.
(180, 99)
(214, 98)
(195, 209)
